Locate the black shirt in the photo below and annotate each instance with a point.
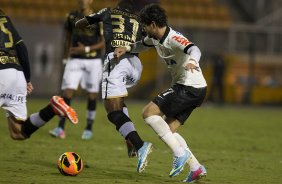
(120, 28)
(87, 36)
(9, 39)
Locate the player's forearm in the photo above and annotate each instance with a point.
(138, 47)
(23, 59)
(82, 23)
(97, 46)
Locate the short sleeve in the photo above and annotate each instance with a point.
(96, 17)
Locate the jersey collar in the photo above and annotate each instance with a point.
(165, 35)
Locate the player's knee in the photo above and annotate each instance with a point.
(146, 112)
(92, 96)
(118, 118)
(149, 110)
(68, 93)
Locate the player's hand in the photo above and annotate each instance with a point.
(119, 52)
(80, 49)
(191, 67)
(29, 88)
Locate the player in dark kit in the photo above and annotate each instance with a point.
(15, 85)
(121, 28)
(84, 65)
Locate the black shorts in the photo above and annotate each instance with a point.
(179, 101)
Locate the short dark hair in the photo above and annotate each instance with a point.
(125, 5)
(153, 12)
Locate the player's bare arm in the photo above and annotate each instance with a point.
(81, 48)
(136, 47)
(97, 46)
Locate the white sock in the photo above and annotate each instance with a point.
(91, 114)
(162, 129)
(126, 128)
(125, 111)
(192, 161)
(36, 120)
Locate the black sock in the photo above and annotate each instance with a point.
(91, 106)
(47, 113)
(61, 123)
(28, 128)
(89, 124)
(118, 118)
(62, 119)
(135, 139)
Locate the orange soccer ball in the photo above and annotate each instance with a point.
(70, 164)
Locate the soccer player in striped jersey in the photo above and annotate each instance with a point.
(121, 28)
(82, 53)
(15, 85)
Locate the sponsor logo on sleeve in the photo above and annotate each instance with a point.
(182, 40)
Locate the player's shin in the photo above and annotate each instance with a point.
(159, 125)
(28, 128)
(91, 113)
(192, 161)
(126, 128)
(37, 120)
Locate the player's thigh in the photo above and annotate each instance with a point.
(151, 109)
(92, 76)
(166, 102)
(114, 86)
(72, 74)
(184, 115)
(114, 78)
(13, 94)
(134, 70)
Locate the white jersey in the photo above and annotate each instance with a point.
(176, 50)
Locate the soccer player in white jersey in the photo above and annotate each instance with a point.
(15, 85)
(171, 108)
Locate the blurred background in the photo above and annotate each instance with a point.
(241, 44)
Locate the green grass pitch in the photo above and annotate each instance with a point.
(238, 145)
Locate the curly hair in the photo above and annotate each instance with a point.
(153, 12)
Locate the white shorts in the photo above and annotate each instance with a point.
(87, 72)
(120, 75)
(13, 92)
